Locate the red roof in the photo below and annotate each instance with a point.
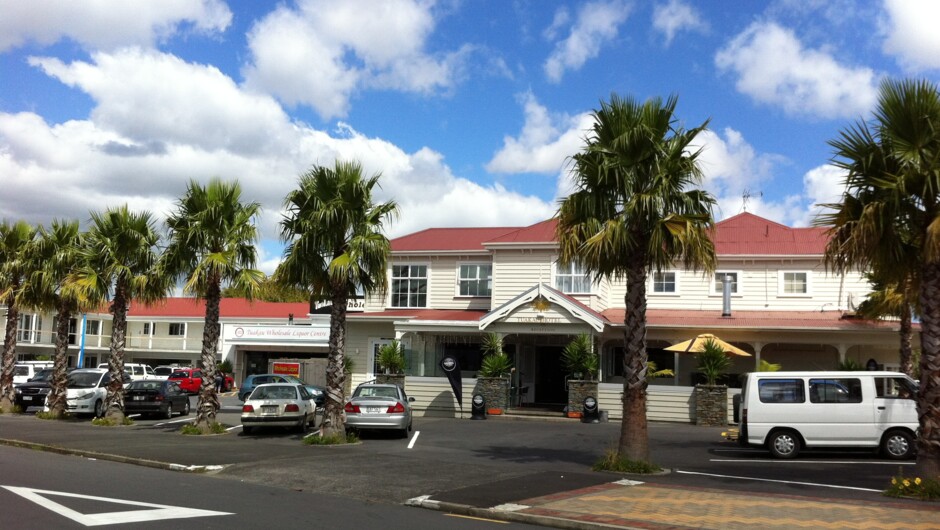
(228, 308)
(743, 234)
(664, 318)
(467, 315)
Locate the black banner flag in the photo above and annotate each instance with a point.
(452, 370)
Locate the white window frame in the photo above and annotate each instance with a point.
(169, 331)
(717, 289)
(652, 283)
(573, 267)
(781, 284)
(372, 357)
(460, 279)
(427, 280)
(148, 332)
(31, 331)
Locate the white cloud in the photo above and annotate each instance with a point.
(321, 53)
(596, 24)
(100, 24)
(774, 68)
(544, 144)
(676, 16)
(911, 33)
(129, 151)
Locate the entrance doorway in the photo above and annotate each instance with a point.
(549, 377)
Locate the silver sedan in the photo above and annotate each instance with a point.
(279, 405)
(379, 406)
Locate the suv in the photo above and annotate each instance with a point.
(139, 372)
(33, 392)
(24, 371)
(190, 380)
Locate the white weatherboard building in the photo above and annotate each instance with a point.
(449, 286)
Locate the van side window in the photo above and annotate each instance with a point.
(895, 388)
(835, 390)
(781, 391)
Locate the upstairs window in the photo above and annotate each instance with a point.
(475, 280)
(148, 329)
(720, 279)
(177, 329)
(92, 327)
(664, 282)
(572, 279)
(794, 283)
(409, 286)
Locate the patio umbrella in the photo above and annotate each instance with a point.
(697, 344)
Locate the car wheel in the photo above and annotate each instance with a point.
(167, 412)
(304, 425)
(99, 409)
(784, 444)
(186, 409)
(246, 429)
(898, 445)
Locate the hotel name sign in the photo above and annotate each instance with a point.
(277, 334)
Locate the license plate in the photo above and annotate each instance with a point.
(27, 398)
(139, 398)
(373, 410)
(269, 409)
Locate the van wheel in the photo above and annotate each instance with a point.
(784, 444)
(898, 445)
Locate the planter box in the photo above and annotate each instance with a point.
(495, 391)
(577, 391)
(395, 379)
(711, 405)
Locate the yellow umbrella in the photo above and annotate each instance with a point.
(697, 344)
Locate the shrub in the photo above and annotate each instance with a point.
(495, 361)
(612, 461)
(918, 488)
(391, 358)
(712, 361)
(579, 357)
(192, 429)
(333, 439)
(851, 365)
(111, 422)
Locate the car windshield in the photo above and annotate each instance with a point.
(145, 385)
(83, 380)
(377, 391)
(21, 370)
(179, 375)
(42, 376)
(274, 392)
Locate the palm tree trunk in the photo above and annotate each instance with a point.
(634, 433)
(57, 403)
(114, 403)
(334, 418)
(906, 332)
(928, 398)
(9, 355)
(208, 397)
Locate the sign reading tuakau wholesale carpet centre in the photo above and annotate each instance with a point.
(276, 334)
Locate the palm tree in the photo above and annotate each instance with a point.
(335, 246)
(212, 236)
(15, 241)
(898, 300)
(119, 261)
(635, 209)
(58, 251)
(889, 221)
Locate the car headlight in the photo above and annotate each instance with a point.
(17, 390)
(87, 395)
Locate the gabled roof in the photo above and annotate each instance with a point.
(228, 308)
(568, 303)
(744, 234)
(448, 239)
(748, 234)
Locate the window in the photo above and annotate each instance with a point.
(794, 283)
(664, 282)
(720, 279)
(895, 388)
(409, 286)
(30, 328)
(148, 329)
(73, 330)
(177, 329)
(572, 279)
(475, 280)
(92, 327)
(780, 391)
(835, 390)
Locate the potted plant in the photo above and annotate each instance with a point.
(391, 360)
(493, 376)
(711, 399)
(580, 361)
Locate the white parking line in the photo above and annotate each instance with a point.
(174, 421)
(413, 439)
(233, 428)
(778, 481)
(134, 416)
(773, 461)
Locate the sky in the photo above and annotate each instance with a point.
(469, 109)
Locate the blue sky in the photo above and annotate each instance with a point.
(469, 109)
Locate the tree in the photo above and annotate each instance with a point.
(15, 241)
(58, 255)
(894, 300)
(335, 245)
(119, 261)
(211, 242)
(269, 291)
(635, 209)
(889, 222)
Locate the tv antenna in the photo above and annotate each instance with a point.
(746, 196)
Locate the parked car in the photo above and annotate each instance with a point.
(164, 372)
(318, 393)
(156, 397)
(139, 372)
(250, 382)
(26, 370)
(379, 406)
(33, 392)
(190, 380)
(86, 391)
(279, 405)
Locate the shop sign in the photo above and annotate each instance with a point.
(277, 333)
(287, 369)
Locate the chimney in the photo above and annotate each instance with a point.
(726, 296)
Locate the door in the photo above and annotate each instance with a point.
(549, 377)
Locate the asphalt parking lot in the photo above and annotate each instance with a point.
(442, 455)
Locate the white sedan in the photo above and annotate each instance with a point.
(279, 405)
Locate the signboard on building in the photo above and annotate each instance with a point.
(286, 369)
(249, 334)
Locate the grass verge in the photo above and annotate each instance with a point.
(335, 439)
(192, 429)
(925, 489)
(611, 461)
(111, 422)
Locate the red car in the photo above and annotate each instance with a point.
(190, 380)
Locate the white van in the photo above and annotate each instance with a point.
(788, 411)
(23, 371)
(138, 372)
